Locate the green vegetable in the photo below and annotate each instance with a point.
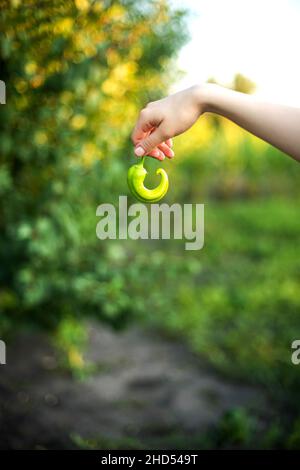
(135, 178)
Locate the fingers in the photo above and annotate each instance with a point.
(165, 148)
(158, 154)
(161, 151)
(147, 120)
(145, 146)
(149, 137)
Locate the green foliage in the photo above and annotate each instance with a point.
(73, 72)
(243, 84)
(236, 428)
(241, 309)
(103, 443)
(71, 339)
(77, 73)
(293, 440)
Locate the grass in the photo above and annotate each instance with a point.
(239, 307)
(240, 310)
(237, 429)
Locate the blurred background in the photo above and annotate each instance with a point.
(141, 344)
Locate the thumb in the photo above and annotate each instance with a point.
(145, 146)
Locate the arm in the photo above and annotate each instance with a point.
(277, 124)
(159, 121)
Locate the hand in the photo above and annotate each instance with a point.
(161, 120)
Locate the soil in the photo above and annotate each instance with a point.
(147, 390)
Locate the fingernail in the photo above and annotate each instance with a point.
(139, 151)
(171, 153)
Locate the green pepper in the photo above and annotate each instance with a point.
(135, 178)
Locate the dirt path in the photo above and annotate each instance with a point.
(148, 389)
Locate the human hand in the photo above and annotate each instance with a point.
(161, 120)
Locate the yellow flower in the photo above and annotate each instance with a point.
(63, 26)
(40, 138)
(90, 153)
(116, 12)
(82, 4)
(75, 358)
(136, 52)
(120, 79)
(37, 81)
(112, 57)
(30, 68)
(78, 121)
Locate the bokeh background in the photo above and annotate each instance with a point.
(77, 73)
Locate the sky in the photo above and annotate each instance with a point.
(258, 38)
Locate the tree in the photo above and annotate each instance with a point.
(76, 74)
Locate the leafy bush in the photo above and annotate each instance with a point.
(73, 71)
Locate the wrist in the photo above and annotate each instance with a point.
(201, 93)
(206, 96)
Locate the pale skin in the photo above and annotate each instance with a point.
(161, 120)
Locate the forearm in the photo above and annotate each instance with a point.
(277, 124)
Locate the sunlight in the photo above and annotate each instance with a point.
(259, 39)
